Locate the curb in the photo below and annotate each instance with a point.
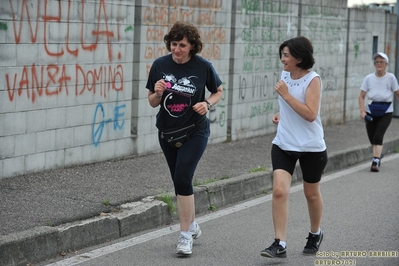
(47, 242)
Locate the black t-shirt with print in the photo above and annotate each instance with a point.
(185, 86)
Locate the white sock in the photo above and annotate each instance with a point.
(193, 225)
(317, 233)
(186, 234)
(283, 244)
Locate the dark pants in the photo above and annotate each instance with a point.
(376, 129)
(312, 163)
(183, 161)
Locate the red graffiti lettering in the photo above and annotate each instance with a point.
(17, 33)
(98, 77)
(166, 2)
(156, 15)
(98, 32)
(47, 19)
(52, 72)
(72, 52)
(24, 82)
(209, 4)
(63, 80)
(211, 52)
(62, 18)
(153, 52)
(37, 81)
(155, 34)
(206, 18)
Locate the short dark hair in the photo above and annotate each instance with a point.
(300, 48)
(184, 29)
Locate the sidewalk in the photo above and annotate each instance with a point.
(45, 214)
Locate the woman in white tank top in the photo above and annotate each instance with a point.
(300, 137)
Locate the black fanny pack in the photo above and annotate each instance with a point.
(378, 109)
(177, 136)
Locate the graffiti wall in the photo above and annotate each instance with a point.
(66, 71)
(73, 72)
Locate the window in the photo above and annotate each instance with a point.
(375, 45)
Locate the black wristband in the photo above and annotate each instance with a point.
(209, 104)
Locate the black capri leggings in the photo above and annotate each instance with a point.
(312, 163)
(183, 161)
(376, 129)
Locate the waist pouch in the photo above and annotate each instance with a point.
(378, 109)
(177, 136)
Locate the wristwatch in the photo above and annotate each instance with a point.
(209, 104)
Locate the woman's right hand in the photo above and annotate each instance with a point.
(276, 118)
(362, 114)
(159, 88)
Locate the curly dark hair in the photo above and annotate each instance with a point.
(300, 48)
(184, 29)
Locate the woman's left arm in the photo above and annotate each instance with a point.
(397, 94)
(202, 107)
(395, 85)
(214, 98)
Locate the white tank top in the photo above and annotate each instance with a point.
(293, 132)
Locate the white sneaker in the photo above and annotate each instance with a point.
(184, 246)
(196, 232)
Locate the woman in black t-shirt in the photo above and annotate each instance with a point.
(176, 84)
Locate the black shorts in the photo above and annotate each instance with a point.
(312, 163)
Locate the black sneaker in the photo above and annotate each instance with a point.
(275, 250)
(313, 244)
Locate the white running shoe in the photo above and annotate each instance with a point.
(196, 232)
(184, 246)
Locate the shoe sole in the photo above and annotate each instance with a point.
(183, 253)
(308, 254)
(268, 255)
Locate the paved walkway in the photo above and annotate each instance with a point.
(39, 205)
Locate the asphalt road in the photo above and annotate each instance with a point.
(61, 196)
(360, 219)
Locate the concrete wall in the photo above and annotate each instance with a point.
(73, 72)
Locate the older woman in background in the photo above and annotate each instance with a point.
(379, 88)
